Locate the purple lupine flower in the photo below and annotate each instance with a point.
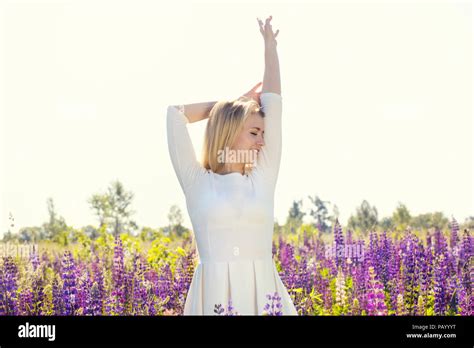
(164, 287)
(375, 296)
(95, 301)
(348, 237)
(304, 278)
(139, 290)
(454, 233)
(374, 252)
(273, 308)
(429, 257)
(465, 260)
(440, 286)
(306, 240)
(409, 252)
(34, 258)
(466, 305)
(82, 288)
(338, 243)
(466, 250)
(151, 277)
(395, 277)
(68, 276)
(58, 300)
(219, 310)
(118, 299)
(274, 249)
(10, 276)
(422, 269)
(119, 265)
(99, 294)
(3, 292)
(86, 286)
(127, 291)
(230, 309)
(289, 265)
(183, 278)
(359, 275)
(441, 246)
(384, 257)
(25, 303)
(115, 303)
(286, 255)
(37, 294)
(452, 294)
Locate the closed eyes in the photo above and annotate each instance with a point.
(257, 128)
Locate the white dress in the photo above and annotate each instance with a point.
(232, 220)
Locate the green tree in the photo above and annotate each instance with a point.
(175, 219)
(323, 221)
(9, 235)
(386, 223)
(366, 217)
(149, 234)
(421, 221)
(401, 217)
(295, 217)
(468, 223)
(113, 209)
(91, 232)
(55, 225)
(277, 229)
(430, 220)
(101, 206)
(29, 234)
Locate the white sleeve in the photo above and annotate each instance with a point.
(268, 162)
(181, 149)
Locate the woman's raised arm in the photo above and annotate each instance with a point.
(271, 76)
(197, 111)
(200, 111)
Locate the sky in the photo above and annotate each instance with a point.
(377, 101)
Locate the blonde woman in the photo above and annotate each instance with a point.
(229, 194)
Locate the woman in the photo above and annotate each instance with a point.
(230, 198)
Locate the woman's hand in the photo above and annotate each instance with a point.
(267, 32)
(255, 92)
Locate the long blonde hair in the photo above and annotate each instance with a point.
(226, 120)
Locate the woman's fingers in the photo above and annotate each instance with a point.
(266, 29)
(257, 86)
(260, 23)
(267, 21)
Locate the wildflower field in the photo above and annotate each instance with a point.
(379, 273)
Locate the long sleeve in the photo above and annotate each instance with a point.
(268, 162)
(181, 149)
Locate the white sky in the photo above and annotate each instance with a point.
(377, 101)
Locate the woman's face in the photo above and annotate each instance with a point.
(251, 137)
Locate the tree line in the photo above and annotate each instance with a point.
(114, 216)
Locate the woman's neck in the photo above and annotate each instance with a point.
(234, 168)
